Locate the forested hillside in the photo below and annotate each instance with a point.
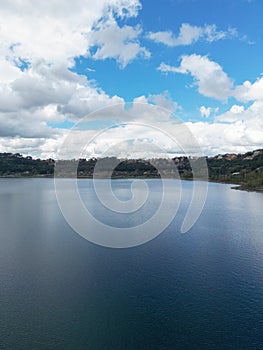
(244, 169)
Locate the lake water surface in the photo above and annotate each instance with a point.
(200, 290)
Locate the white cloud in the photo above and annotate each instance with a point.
(205, 111)
(250, 91)
(44, 94)
(8, 71)
(112, 41)
(142, 139)
(43, 38)
(189, 34)
(219, 138)
(209, 76)
(139, 140)
(164, 100)
(237, 109)
(166, 68)
(48, 35)
(239, 113)
(30, 123)
(210, 33)
(55, 30)
(164, 37)
(153, 127)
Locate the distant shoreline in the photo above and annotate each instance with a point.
(241, 171)
(240, 187)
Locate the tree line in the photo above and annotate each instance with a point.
(246, 169)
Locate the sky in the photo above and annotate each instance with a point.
(127, 77)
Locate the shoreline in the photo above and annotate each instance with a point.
(240, 187)
(247, 189)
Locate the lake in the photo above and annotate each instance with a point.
(198, 290)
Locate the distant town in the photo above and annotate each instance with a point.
(244, 170)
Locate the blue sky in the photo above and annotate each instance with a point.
(233, 53)
(201, 60)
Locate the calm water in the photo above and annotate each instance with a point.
(202, 290)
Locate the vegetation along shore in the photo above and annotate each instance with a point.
(243, 170)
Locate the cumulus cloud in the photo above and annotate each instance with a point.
(142, 139)
(189, 34)
(237, 137)
(142, 129)
(37, 88)
(250, 91)
(112, 41)
(55, 30)
(39, 91)
(236, 113)
(46, 94)
(209, 76)
(135, 139)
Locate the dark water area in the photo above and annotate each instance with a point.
(199, 290)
